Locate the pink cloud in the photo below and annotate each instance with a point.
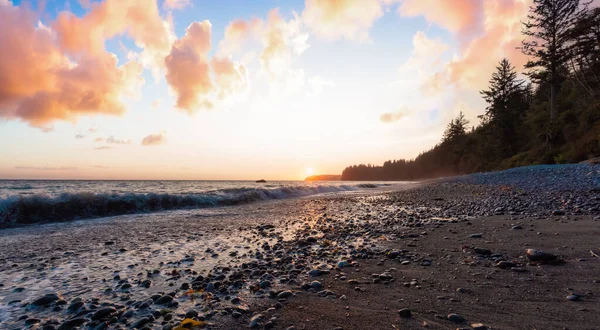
(348, 19)
(40, 84)
(188, 70)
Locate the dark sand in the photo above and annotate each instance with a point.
(497, 298)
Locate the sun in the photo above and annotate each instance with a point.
(309, 171)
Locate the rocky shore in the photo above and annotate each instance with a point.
(507, 250)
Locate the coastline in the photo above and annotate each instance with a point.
(258, 263)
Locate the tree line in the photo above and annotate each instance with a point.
(552, 117)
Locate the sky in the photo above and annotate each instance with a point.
(236, 89)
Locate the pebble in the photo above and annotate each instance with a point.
(46, 299)
(405, 312)
(455, 318)
(103, 313)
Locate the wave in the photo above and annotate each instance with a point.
(18, 210)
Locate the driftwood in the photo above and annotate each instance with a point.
(594, 254)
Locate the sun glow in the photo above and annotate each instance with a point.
(309, 171)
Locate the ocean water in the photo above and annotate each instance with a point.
(31, 201)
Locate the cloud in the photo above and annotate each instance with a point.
(92, 130)
(347, 19)
(39, 81)
(98, 139)
(154, 139)
(188, 70)
(44, 168)
(176, 4)
(487, 31)
(458, 16)
(140, 20)
(391, 117)
(230, 77)
(79, 136)
(101, 166)
(103, 148)
(113, 140)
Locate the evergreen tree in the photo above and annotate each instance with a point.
(549, 28)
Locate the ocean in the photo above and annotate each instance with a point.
(32, 201)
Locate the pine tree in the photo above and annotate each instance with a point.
(504, 87)
(548, 28)
(456, 128)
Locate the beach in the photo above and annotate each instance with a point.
(442, 254)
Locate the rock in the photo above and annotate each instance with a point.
(517, 227)
(164, 300)
(256, 320)
(141, 323)
(558, 212)
(45, 300)
(455, 318)
(284, 294)
(316, 285)
(478, 326)
(261, 181)
(393, 254)
(506, 264)
(264, 284)
(72, 323)
(482, 251)
(210, 287)
(314, 273)
(573, 297)
(342, 264)
(103, 313)
(476, 235)
(405, 312)
(191, 313)
(539, 256)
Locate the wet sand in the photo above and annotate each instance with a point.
(309, 263)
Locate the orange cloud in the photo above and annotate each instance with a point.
(188, 70)
(391, 117)
(237, 33)
(229, 76)
(153, 139)
(141, 20)
(40, 84)
(488, 30)
(348, 19)
(460, 16)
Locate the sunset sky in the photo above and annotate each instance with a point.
(237, 89)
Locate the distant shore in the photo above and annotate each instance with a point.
(449, 254)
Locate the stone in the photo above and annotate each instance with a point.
(478, 326)
(316, 285)
(46, 299)
(573, 297)
(255, 320)
(72, 323)
(405, 312)
(164, 300)
(103, 313)
(284, 294)
(539, 256)
(506, 264)
(455, 318)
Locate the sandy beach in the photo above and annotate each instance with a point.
(443, 255)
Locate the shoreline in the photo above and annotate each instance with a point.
(256, 264)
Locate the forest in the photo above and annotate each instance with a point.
(551, 117)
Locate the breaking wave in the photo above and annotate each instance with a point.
(70, 206)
